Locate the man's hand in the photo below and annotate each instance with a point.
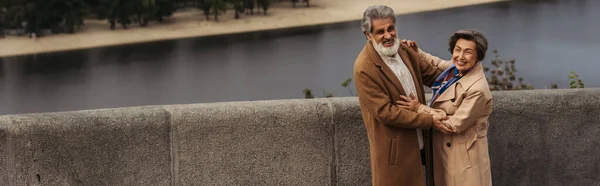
(439, 125)
(410, 43)
(411, 103)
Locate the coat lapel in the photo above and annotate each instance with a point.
(464, 83)
(387, 72)
(449, 94)
(472, 77)
(406, 60)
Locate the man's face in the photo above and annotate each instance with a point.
(382, 31)
(383, 36)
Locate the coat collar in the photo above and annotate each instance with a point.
(378, 61)
(470, 78)
(465, 83)
(387, 72)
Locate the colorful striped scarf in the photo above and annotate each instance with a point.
(444, 80)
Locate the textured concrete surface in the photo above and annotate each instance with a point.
(254, 143)
(98, 147)
(3, 151)
(541, 137)
(545, 137)
(352, 145)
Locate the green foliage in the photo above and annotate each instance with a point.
(502, 75)
(68, 15)
(249, 5)
(212, 6)
(328, 94)
(238, 7)
(264, 4)
(575, 81)
(36, 15)
(308, 94)
(125, 12)
(346, 84)
(165, 8)
(13, 17)
(218, 7)
(119, 11)
(72, 14)
(145, 10)
(206, 6)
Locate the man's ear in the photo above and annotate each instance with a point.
(368, 36)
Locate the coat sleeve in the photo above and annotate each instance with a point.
(379, 105)
(434, 61)
(428, 110)
(428, 72)
(473, 107)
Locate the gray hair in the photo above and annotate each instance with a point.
(376, 12)
(481, 42)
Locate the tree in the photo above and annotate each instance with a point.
(217, 7)
(13, 16)
(92, 7)
(206, 5)
(72, 14)
(249, 6)
(119, 11)
(238, 7)
(146, 11)
(264, 4)
(35, 15)
(32, 22)
(165, 8)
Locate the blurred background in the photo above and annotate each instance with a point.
(533, 44)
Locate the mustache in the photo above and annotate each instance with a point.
(388, 40)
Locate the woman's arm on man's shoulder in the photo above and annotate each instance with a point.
(426, 57)
(434, 61)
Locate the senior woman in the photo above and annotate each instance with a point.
(461, 92)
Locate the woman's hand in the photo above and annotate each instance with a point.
(411, 44)
(440, 125)
(411, 103)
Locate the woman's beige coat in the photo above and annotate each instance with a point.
(462, 158)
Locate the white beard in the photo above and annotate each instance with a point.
(387, 51)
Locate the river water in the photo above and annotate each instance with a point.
(547, 38)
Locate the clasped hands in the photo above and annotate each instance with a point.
(413, 104)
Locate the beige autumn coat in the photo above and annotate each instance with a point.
(462, 159)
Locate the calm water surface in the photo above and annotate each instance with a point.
(547, 39)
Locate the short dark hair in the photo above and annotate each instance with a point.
(470, 35)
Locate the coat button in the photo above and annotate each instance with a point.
(448, 144)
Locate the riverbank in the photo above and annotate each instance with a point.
(192, 23)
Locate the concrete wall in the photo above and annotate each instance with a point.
(541, 137)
